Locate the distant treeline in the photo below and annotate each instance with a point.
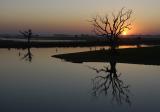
(82, 41)
(71, 37)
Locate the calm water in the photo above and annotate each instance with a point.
(47, 84)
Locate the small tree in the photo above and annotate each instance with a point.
(113, 27)
(28, 35)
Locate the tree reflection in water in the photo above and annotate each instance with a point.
(28, 35)
(111, 82)
(27, 56)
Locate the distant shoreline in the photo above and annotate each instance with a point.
(79, 42)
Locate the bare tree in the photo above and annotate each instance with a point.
(112, 27)
(27, 34)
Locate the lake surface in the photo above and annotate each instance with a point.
(46, 84)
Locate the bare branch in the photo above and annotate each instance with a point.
(113, 27)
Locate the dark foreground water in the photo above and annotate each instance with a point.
(46, 84)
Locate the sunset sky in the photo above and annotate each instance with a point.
(71, 16)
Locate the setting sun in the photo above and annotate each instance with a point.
(124, 33)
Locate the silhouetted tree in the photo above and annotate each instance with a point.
(112, 27)
(27, 34)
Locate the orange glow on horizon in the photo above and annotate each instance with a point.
(124, 33)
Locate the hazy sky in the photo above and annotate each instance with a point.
(71, 16)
